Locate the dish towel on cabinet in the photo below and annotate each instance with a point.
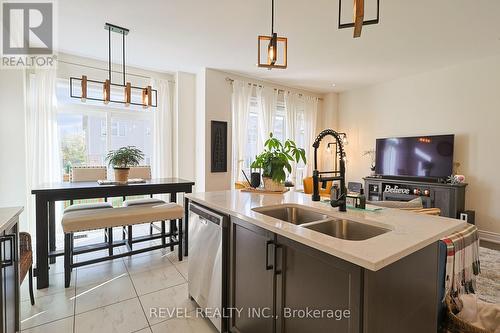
(462, 261)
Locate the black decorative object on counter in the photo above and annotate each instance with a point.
(219, 146)
(255, 179)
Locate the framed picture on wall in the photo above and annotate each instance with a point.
(219, 146)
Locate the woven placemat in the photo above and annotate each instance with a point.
(263, 190)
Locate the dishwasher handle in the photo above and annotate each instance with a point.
(207, 215)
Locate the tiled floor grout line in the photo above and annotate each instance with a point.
(152, 292)
(74, 309)
(49, 322)
(137, 294)
(103, 306)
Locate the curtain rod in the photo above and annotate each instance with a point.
(228, 79)
(105, 70)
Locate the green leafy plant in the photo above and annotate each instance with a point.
(125, 157)
(276, 158)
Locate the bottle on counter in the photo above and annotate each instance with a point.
(361, 199)
(334, 192)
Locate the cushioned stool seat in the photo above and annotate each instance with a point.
(145, 201)
(83, 220)
(95, 205)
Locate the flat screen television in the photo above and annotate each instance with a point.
(420, 156)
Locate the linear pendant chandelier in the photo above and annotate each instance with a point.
(275, 48)
(149, 96)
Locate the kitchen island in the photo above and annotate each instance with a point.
(295, 265)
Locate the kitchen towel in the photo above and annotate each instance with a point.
(462, 261)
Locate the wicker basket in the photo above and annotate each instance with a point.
(456, 325)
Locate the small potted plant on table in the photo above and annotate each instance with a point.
(275, 159)
(122, 159)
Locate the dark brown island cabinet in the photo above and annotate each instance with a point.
(280, 285)
(9, 270)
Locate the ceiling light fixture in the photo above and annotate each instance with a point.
(275, 48)
(359, 15)
(146, 93)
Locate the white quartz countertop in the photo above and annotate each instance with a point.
(409, 233)
(8, 216)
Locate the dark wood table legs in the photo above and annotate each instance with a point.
(42, 243)
(186, 216)
(52, 230)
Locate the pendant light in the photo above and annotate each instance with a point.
(148, 94)
(271, 45)
(358, 17)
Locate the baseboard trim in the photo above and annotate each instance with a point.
(489, 236)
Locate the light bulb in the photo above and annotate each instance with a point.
(271, 49)
(271, 58)
(107, 91)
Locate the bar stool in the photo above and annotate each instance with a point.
(144, 172)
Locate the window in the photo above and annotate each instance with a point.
(253, 144)
(84, 127)
(279, 123)
(253, 137)
(300, 140)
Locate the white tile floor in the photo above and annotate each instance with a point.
(115, 296)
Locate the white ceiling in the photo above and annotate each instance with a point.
(169, 35)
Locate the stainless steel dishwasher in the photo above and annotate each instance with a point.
(207, 264)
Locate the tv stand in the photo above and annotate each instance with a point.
(413, 179)
(447, 197)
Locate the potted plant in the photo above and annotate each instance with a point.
(275, 159)
(122, 159)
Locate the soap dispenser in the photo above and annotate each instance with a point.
(361, 199)
(334, 192)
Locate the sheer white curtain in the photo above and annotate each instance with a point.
(301, 114)
(310, 120)
(291, 121)
(43, 162)
(162, 161)
(268, 98)
(291, 115)
(242, 93)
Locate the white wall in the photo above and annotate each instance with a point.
(12, 140)
(217, 107)
(184, 120)
(464, 100)
(328, 118)
(199, 128)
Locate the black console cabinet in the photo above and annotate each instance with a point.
(449, 198)
(273, 279)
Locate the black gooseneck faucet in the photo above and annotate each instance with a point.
(339, 175)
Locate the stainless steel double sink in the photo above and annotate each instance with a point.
(307, 217)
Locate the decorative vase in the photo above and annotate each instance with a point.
(255, 179)
(121, 175)
(273, 186)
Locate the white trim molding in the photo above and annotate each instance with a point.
(489, 236)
